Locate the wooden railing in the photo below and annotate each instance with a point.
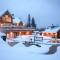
(7, 28)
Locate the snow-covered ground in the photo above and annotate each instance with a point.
(39, 39)
(20, 52)
(29, 37)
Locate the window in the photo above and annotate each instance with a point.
(27, 32)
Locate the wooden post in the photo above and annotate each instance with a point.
(34, 38)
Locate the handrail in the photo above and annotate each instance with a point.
(16, 27)
(8, 28)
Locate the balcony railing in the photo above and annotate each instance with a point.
(12, 28)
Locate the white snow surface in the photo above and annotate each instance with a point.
(2, 34)
(16, 20)
(54, 30)
(20, 52)
(28, 37)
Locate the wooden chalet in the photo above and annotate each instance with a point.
(51, 32)
(11, 28)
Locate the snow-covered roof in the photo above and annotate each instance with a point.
(4, 11)
(2, 34)
(16, 20)
(1, 12)
(54, 30)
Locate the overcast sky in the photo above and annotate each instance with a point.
(46, 12)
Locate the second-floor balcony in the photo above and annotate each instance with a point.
(15, 28)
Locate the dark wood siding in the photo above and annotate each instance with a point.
(58, 34)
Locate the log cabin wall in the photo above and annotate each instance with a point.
(53, 35)
(17, 33)
(7, 17)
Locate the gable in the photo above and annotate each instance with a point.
(7, 13)
(7, 17)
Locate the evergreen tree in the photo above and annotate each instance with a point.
(28, 23)
(33, 23)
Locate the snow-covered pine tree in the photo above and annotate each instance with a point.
(29, 19)
(33, 22)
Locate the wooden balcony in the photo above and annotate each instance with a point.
(15, 28)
